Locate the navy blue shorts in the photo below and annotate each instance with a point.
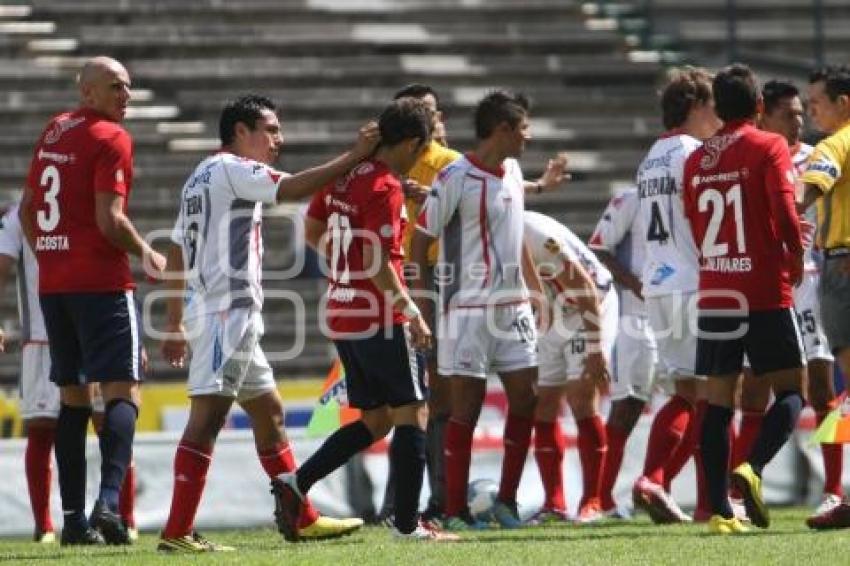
(93, 337)
(382, 370)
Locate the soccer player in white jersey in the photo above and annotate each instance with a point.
(619, 241)
(782, 113)
(215, 267)
(39, 396)
(487, 324)
(580, 312)
(670, 280)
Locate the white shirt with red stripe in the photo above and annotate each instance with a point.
(621, 233)
(671, 264)
(29, 308)
(550, 244)
(219, 229)
(477, 214)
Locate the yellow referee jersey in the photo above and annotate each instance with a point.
(829, 170)
(432, 161)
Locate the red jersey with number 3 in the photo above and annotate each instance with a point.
(80, 154)
(739, 198)
(365, 207)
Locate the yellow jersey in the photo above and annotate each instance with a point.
(432, 161)
(829, 170)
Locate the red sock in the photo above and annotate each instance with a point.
(592, 446)
(833, 463)
(549, 449)
(517, 439)
(458, 453)
(127, 497)
(38, 470)
(747, 434)
(617, 439)
(191, 463)
(280, 460)
(686, 448)
(666, 434)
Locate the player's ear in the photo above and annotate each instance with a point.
(760, 106)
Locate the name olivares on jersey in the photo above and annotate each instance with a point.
(727, 264)
(52, 243)
(657, 186)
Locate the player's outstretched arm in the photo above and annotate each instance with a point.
(174, 346)
(307, 182)
(554, 175)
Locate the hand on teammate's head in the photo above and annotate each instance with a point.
(367, 140)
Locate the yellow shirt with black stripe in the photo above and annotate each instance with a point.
(829, 170)
(432, 161)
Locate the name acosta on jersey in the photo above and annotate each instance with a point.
(52, 243)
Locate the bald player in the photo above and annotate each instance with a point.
(74, 215)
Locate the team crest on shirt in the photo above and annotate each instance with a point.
(363, 169)
(714, 147)
(552, 246)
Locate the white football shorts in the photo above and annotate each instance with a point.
(673, 319)
(39, 395)
(477, 341)
(807, 305)
(635, 357)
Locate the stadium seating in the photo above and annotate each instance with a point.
(331, 65)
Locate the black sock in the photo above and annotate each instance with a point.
(778, 424)
(70, 450)
(388, 506)
(116, 448)
(434, 444)
(336, 450)
(715, 457)
(407, 454)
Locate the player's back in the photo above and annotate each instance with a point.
(671, 257)
(79, 155)
(735, 183)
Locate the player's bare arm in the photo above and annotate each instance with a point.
(314, 231)
(307, 182)
(387, 282)
(174, 347)
(116, 227)
(579, 287)
(542, 309)
(552, 178)
(622, 276)
(811, 193)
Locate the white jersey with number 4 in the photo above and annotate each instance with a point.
(29, 309)
(621, 233)
(219, 229)
(671, 255)
(476, 212)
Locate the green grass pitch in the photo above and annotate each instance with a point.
(788, 541)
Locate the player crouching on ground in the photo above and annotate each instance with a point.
(218, 234)
(574, 355)
(358, 223)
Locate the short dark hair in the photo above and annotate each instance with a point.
(497, 107)
(836, 79)
(685, 87)
(775, 91)
(247, 109)
(417, 90)
(403, 119)
(736, 93)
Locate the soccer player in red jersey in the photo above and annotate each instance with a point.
(357, 222)
(739, 198)
(74, 213)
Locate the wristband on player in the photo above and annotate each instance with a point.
(539, 187)
(411, 311)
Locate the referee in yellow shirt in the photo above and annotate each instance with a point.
(827, 181)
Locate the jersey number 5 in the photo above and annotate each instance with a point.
(48, 220)
(714, 198)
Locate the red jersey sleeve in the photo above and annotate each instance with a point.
(318, 209)
(113, 168)
(384, 216)
(779, 181)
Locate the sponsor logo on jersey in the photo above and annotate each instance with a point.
(730, 177)
(824, 165)
(56, 157)
(661, 274)
(714, 147)
(60, 127)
